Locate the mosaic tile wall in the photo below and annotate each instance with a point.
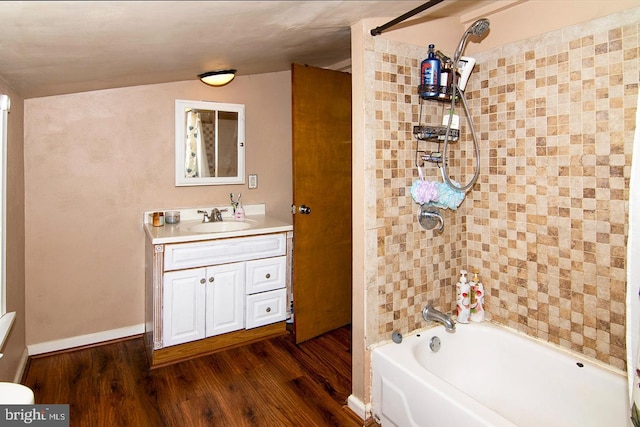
(413, 266)
(546, 224)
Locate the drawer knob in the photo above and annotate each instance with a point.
(268, 309)
(268, 276)
(203, 281)
(211, 279)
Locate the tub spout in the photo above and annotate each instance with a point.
(431, 314)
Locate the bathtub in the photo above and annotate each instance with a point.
(488, 375)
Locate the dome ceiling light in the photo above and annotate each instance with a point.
(217, 78)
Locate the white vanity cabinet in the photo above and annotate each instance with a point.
(207, 295)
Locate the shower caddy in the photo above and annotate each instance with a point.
(427, 216)
(430, 217)
(435, 133)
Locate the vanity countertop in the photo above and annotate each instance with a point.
(180, 233)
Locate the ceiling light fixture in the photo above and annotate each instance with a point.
(217, 78)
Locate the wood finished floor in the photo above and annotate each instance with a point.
(270, 383)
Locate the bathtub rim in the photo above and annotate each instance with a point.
(436, 328)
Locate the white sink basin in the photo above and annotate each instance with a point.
(219, 227)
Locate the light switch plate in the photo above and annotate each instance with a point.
(253, 181)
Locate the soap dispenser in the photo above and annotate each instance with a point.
(477, 300)
(239, 215)
(463, 291)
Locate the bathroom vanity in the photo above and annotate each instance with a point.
(215, 285)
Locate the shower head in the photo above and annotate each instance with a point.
(478, 28)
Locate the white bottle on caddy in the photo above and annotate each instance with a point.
(463, 294)
(477, 299)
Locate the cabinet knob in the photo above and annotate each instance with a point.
(268, 310)
(211, 279)
(203, 281)
(268, 276)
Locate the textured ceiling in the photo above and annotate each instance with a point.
(54, 47)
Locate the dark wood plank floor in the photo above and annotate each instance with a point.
(269, 383)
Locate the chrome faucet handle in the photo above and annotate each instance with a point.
(205, 217)
(429, 217)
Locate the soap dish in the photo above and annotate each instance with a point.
(172, 217)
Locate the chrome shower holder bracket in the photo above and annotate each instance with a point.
(429, 217)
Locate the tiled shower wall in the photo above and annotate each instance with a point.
(546, 225)
(409, 266)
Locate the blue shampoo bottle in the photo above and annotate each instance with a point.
(430, 75)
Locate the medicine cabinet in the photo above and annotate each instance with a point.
(210, 143)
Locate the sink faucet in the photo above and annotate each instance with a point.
(214, 216)
(431, 314)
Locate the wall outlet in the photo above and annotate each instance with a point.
(253, 181)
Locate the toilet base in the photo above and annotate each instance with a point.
(15, 394)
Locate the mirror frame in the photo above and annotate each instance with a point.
(180, 129)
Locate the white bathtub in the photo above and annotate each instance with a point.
(487, 375)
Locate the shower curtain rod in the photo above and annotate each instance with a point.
(378, 30)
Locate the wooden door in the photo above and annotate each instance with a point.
(322, 183)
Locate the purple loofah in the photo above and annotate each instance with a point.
(424, 191)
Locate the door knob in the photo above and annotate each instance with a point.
(305, 210)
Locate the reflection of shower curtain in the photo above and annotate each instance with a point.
(633, 278)
(195, 161)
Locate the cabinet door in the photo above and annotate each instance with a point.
(225, 298)
(183, 306)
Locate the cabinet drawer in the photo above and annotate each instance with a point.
(211, 252)
(265, 308)
(266, 274)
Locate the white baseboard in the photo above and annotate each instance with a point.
(82, 340)
(358, 407)
(22, 365)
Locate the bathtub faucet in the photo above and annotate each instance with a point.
(431, 314)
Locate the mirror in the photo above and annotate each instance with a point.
(209, 143)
